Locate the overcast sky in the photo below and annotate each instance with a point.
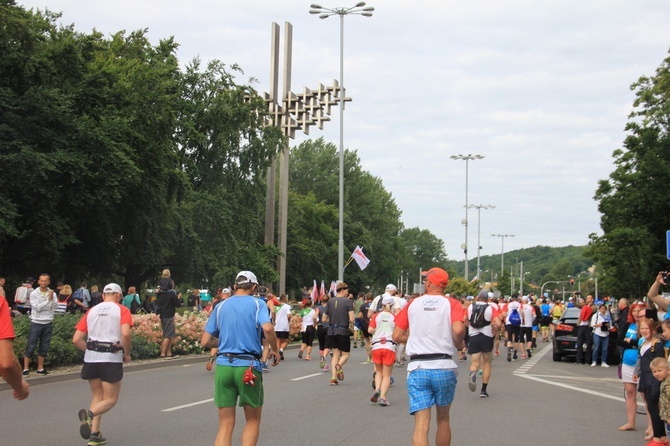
(540, 89)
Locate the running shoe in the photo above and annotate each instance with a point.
(86, 420)
(322, 362)
(515, 357)
(483, 394)
(326, 368)
(509, 356)
(26, 372)
(281, 355)
(383, 402)
(340, 372)
(333, 382)
(604, 364)
(497, 352)
(96, 439)
(369, 359)
(308, 358)
(375, 396)
(355, 345)
(300, 354)
(43, 372)
(264, 367)
(530, 354)
(472, 381)
(523, 356)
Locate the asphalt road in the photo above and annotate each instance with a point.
(534, 401)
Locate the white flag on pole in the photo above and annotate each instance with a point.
(360, 258)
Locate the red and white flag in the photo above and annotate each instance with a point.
(360, 258)
(315, 292)
(322, 291)
(333, 289)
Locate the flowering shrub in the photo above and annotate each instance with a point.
(189, 327)
(294, 327)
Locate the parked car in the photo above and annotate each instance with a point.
(565, 338)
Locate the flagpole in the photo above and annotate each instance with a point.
(348, 262)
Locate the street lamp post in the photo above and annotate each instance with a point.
(324, 13)
(467, 158)
(479, 227)
(502, 252)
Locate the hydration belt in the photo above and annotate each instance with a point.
(247, 356)
(429, 357)
(104, 347)
(384, 341)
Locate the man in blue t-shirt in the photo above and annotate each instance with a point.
(235, 327)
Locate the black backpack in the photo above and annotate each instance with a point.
(478, 316)
(135, 305)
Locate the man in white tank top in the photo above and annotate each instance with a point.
(432, 326)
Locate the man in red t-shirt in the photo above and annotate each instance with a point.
(584, 331)
(10, 369)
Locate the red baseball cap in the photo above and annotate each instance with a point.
(437, 276)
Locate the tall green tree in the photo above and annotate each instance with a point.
(631, 201)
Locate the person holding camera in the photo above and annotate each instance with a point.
(601, 323)
(655, 296)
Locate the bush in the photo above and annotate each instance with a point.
(142, 348)
(61, 351)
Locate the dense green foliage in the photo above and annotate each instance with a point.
(371, 220)
(633, 199)
(116, 163)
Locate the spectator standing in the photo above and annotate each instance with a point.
(85, 295)
(193, 301)
(63, 299)
(43, 302)
(627, 339)
(104, 335)
(235, 327)
(584, 330)
(96, 296)
(432, 326)
(601, 323)
(130, 297)
(10, 369)
(166, 304)
(22, 296)
(339, 316)
(651, 347)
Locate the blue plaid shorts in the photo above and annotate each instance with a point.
(430, 387)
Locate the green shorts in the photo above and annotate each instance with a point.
(228, 386)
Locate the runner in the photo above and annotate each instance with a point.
(383, 349)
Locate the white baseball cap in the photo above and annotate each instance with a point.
(391, 287)
(225, 291)
(388, 300)
(246, 277)
(112, 288)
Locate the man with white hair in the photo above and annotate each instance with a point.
(376, 305)
(104, 335)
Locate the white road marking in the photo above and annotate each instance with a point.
(521, 372)
(186, 406)
(308, 376)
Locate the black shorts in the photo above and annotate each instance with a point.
(480, 343)
(513, 332)
(364, 328)
(308, 335)
(340, 342)
(526, 334)
(282, 334)
(109, 372)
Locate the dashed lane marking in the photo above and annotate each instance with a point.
(186, 406)
(307, 376)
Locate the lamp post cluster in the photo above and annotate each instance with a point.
(467, 159)
(324, 13)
